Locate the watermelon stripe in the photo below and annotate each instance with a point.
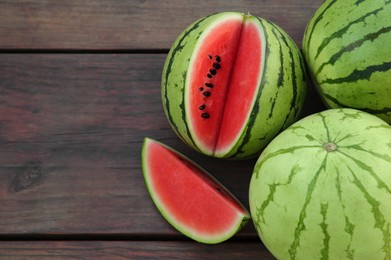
(293, 102)
(342, 31)
(381, 184)
(378, 126)
(296, 80)
(385, 157)
(349, 48)
(272, 189)
(280, 75)
(279, 152)
(174, 51)
(316, 21)
(380, 221)
(281, 71)
(364, 74)
(326, 240)
(183, 112)
(338, 139)
(325, 126)
(310, 137)
(368, 110)
(338, 186)
(293, 128)
(359, 2)
(349, 226)
(300, 223)
(303, 68)
(265, 204)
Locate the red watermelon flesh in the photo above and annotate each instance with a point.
(189, 198)
(224, 78)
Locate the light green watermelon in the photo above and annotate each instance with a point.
(322, 188)
(347, 47)
(231, 82)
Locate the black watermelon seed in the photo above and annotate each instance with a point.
(209, 85)
(209, 75)
(213, 71)
(210, 56)
(218, 59)
(201, 88)
(205, 115)
(216, 66)
(202, 107)
(206, 93)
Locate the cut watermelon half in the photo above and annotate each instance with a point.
(231, 82)
(228, 63)
(190, 199)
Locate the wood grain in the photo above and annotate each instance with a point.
(132, 250)
(82, 119)
(124, 25)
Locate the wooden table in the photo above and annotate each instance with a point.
(79, 90)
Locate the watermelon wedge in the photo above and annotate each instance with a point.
(190, 199)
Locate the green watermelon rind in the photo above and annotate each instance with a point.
(298, 216)
(240, 223)
(346, 46)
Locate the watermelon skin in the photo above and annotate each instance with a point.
(347, 49)
(188, 197)
(277, 102)
(322, 188)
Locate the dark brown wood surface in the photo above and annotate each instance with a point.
(136, 24)
(79, 91)
(132, 250)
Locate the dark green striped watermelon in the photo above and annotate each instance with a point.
(322, 188)
(231, 82)
(347, 46)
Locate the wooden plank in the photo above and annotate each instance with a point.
(71, 135)
(71, 131)
(124, 25)
(131, 250)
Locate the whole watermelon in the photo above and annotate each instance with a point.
(322, 188)
(347, 47)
